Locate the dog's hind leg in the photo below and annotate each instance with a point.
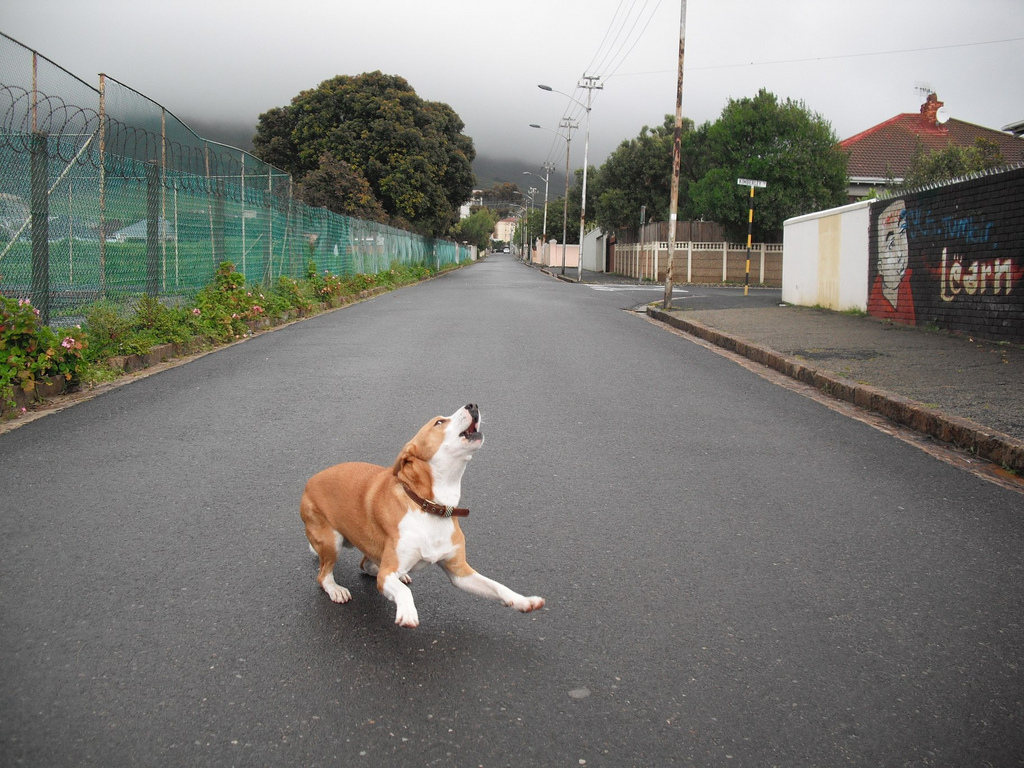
(324, 541)
(371, 568)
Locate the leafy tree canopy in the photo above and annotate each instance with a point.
(558, 210)
(477, 227)
(412, 153)
(337, 186)
(782, 143)
(501, 198)
(951, 162)
(639, 173)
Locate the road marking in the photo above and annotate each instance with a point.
(627, 287)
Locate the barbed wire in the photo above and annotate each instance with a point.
(203, 167)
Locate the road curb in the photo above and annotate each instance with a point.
(967, 435)
(559, 276)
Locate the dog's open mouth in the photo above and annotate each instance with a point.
(471, 433)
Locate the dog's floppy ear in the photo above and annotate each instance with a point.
(412, 470)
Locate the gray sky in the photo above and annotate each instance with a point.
(855, 62)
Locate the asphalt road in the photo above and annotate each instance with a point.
(734, 574)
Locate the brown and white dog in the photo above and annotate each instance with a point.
(403, 518)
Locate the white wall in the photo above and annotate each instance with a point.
(593, 250)
(826, 258)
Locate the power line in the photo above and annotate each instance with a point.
(637, 40)
(611, 25)
(622, 36)
(826, 58)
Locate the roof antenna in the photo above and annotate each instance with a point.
(923, 90)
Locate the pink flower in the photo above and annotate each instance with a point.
(197, 312)
(68, 342)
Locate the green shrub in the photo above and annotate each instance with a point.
(30, 352)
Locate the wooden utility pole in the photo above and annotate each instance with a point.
(677, 144)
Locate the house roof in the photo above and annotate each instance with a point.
(885, 150)
(137, 231)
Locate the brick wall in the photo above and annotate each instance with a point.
(952, 256)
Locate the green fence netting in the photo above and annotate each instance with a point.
(105, 194)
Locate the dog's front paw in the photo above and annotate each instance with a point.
(527, 604)
(407, 618)
(336, 592)
(339, 594)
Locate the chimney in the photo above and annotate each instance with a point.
(929, 109)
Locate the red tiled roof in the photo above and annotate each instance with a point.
(886, 149)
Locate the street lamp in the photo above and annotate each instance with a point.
(547, 168)
(529, 244)
(587, 81)
(569, 128)
(524, 216)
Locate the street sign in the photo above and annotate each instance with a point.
(751, 183)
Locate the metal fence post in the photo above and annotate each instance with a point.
(40, 213)
(152, 229)
(219, 253)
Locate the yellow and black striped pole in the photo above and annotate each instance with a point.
(750, 225)
(750, 233)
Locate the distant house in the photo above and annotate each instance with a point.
(881, 155)
(62, 227)
(476, 201)
(504, 229)
(137, 231)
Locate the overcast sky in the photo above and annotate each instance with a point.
(855, 62)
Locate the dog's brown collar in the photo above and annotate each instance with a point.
(433, 507)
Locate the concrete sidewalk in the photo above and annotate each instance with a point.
(961, 390)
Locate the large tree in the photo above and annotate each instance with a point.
(782, 143)
(411, 152)
(639, 173)
(338, 187)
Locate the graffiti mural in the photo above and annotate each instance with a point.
(952, 257)
(891, 296)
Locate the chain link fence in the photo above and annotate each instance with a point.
(105, 194)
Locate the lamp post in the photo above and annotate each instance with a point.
(529, 244)
(589, 83)
(523, 227)
(547, 168)
(569, 128)
(640, 253)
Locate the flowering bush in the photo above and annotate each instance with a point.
(30, 353)
(226, 305)
(294, 294)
